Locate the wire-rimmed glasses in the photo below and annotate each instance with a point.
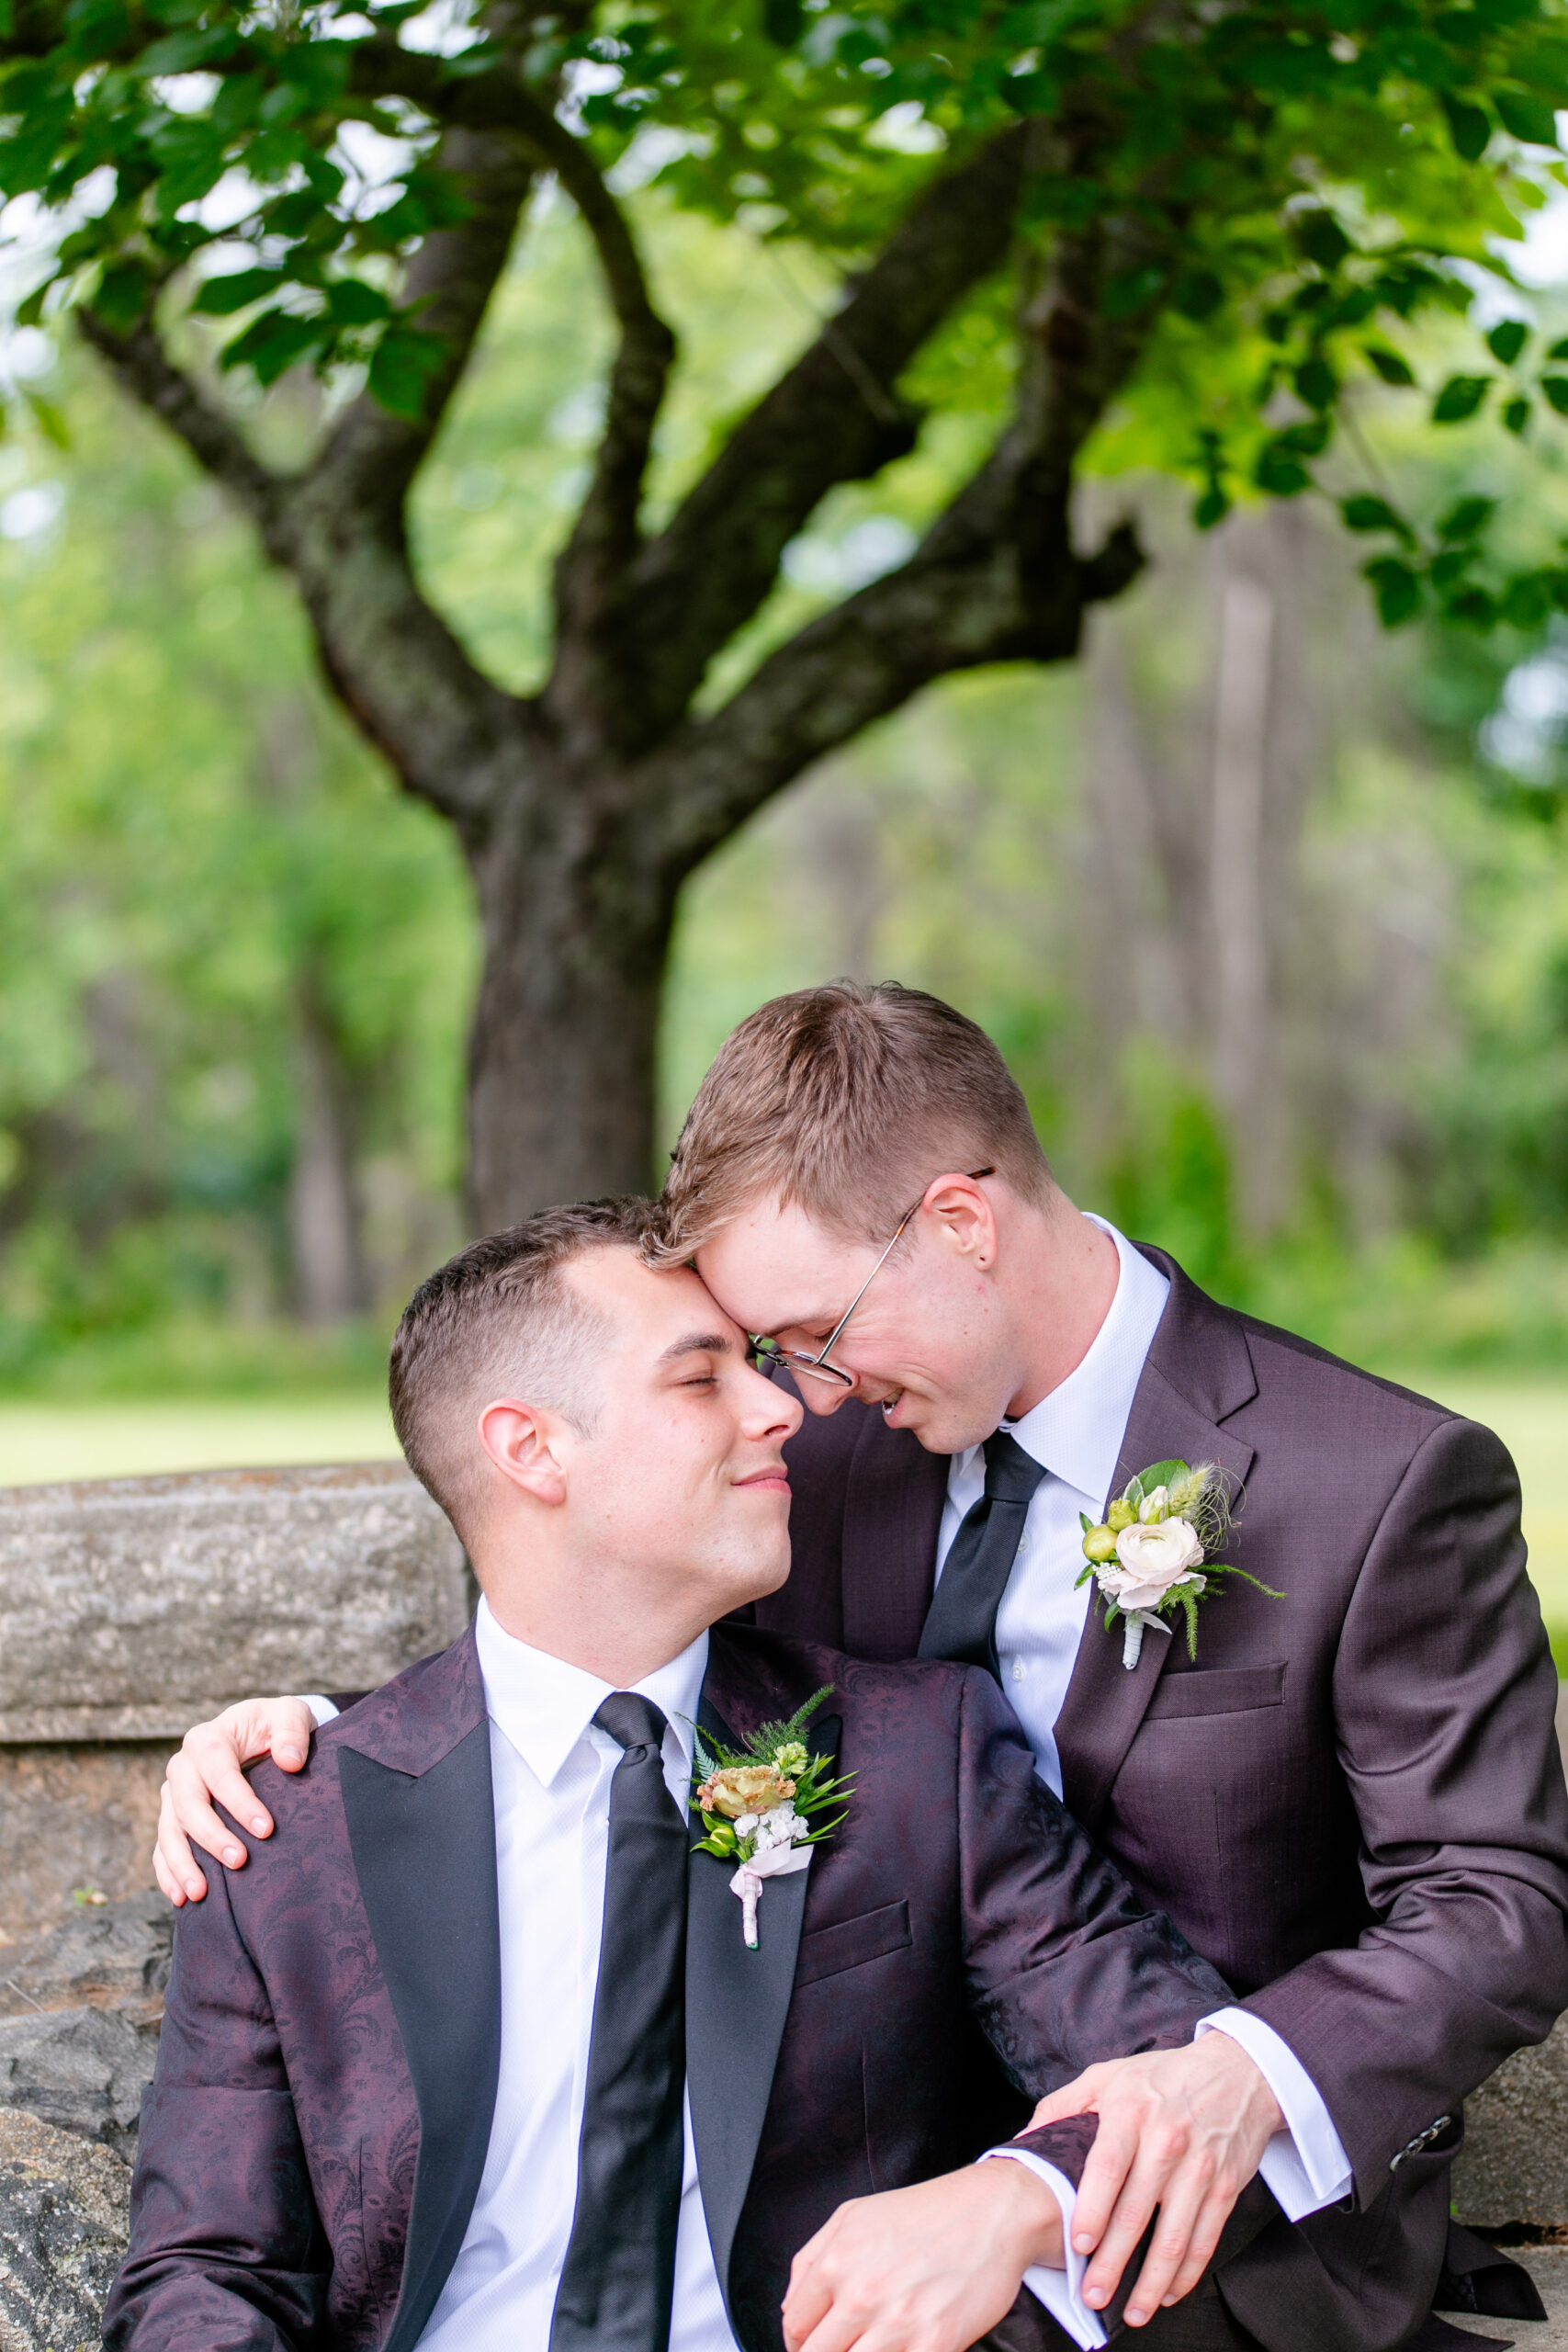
(817, 1367)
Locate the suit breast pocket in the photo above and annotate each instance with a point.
(850, 1943)
(1222, 1690)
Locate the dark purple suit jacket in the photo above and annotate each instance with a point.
(314, 2139)
(1352, 1802)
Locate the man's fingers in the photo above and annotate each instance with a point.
(1077, 2098)
(1202, 2245)
(187, 1793)
(282, 1730)
(178, 1872)
(1132, 2213)
(1183, 2202)
(807, 2297)
(1105, 2171)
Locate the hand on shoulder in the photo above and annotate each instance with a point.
(208, 1770)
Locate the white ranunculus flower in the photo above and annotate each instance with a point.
(1149, 1560)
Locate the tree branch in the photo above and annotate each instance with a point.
(995, 579)
(605, 537)
(143, 369)
(372, 456)
(834, 417)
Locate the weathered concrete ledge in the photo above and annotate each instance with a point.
(132, 1607)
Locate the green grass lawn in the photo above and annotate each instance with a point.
(116, 1440)
(119, 1440)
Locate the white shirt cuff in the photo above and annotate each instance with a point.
(323, 1711)
(1061, 2291)
(1304, 2166)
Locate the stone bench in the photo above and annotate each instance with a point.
(132, 1607)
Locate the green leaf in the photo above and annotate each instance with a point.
(1365, 512)
(1466, 517)
(1526, 116)
(1556, 390)
(187, 52)
(124, 295)
(1163, 1473)
(219, 298)
(1316, 383)
(783, 21)
(29, 310)
(1460, 399)
(1280, 475)
(1396, 588)
(1508, 340)
(1471, 607)
(1517, 415)
(1468, 128)
(1559, 350)
(1451, 566)
(1211, 508)
(1322, 239)
(1132, 291)
(1197, 294)
(354, 304)
(48, 420)
(404, 362)
(1526, 602)
(1389, 364)
(273, 343)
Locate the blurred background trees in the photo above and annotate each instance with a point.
(1270, 910)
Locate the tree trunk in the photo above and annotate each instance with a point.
(562, 1053)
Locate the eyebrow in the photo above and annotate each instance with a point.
(710, 1343)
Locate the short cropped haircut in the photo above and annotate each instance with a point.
(846, 1100)
(499, 1320)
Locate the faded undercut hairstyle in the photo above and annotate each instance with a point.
(502, 1319)
(846, 1100)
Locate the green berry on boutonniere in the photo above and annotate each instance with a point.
(1152, 1553)
(758, 1804)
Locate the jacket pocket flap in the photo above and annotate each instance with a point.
(828, 1951)
(1223, 1691)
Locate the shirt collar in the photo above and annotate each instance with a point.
(544, 1705)
(1076, 1430)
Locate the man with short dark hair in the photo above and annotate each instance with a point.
(483, 2053)
(1349, 1796)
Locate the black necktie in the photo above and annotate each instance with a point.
(619, 2270)
(961, 1620)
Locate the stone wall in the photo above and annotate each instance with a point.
(130, 1608)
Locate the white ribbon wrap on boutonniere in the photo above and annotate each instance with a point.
(757, 1803)
(1146, 1554)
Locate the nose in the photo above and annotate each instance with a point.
(770, 1410)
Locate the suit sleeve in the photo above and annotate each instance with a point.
(1065, 1965)
(1444, 1695)
(226, 2246)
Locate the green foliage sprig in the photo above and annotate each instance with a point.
(776, 1768)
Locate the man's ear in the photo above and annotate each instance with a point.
(965, 1211)
(524, 1444)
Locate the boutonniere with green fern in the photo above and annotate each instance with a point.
(759, 1804)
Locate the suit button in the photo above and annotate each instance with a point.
(1018, 1669)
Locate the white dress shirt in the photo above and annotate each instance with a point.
(1075, 1434)
(552, 1768)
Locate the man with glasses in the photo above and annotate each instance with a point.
(1350, 1798)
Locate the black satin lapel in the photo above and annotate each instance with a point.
(1106, 1703)
(737, 2001)
(424, 1852)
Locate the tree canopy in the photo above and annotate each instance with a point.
(1236, 219)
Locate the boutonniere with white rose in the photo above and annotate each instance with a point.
(1153, 1552)
(758, 1805)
